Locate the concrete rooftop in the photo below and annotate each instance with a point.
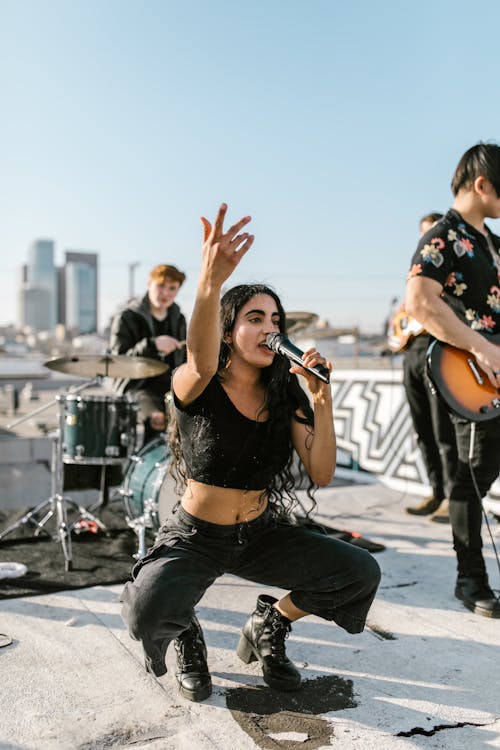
(424, 674)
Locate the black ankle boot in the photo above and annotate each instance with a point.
(192, 674)
(263, 638)
(476, 595)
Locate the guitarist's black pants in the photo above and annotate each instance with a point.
(431, 420)
(465, 505)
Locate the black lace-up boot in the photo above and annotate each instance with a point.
(263, 638)
(476, 595)
(192, 674)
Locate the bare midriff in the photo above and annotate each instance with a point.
(223, 505)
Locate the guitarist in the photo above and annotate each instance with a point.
(453, 289)
(430, 418)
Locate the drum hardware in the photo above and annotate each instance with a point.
(56, 505)
(92, 430)
(139, 524)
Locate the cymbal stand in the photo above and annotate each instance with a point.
(57, 502)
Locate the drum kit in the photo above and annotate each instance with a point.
(100, 430)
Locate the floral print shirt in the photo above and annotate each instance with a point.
(460, 258)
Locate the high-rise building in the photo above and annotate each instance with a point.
(38, 299)
(66, 295)
(80, 292)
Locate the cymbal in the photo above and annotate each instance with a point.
(107, 365)
(297, 321)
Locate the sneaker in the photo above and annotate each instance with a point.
(477, 596)
(442, 515)
(427, 506)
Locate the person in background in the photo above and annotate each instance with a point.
(430, 417)
(240, 415)
(453, 289)
(152, 327)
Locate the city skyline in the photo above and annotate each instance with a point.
(52, 295)
(335, 126)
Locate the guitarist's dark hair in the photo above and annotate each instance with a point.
(482, 160)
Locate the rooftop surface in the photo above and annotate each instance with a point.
(424, 674)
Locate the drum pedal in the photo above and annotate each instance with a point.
(86, 525)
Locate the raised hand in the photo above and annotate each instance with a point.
(223, 251)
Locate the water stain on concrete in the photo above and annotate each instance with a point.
(265, 714)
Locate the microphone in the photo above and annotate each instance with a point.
(279, 343)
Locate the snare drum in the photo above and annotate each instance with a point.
(148, 490)
(98, 429)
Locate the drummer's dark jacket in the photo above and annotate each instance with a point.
(133, 334)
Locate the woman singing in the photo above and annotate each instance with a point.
(240, 416)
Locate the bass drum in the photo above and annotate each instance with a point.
(148, 490)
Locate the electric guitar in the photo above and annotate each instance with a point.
(402, 330)
(464, 387)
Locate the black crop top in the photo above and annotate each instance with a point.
(222, 447)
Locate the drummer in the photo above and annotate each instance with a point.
(153, 327)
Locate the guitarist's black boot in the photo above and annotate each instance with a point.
(192, 674)
(476, 595)
(263, 638)
(472, 582)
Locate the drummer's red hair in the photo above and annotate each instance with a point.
(164, 272)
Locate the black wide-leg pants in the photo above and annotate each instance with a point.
(326, 577)
(431, 420)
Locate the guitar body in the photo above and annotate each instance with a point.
(402, 330)
(461, 383)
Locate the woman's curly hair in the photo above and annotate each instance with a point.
(284, 397)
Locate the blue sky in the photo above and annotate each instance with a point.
(335, 125)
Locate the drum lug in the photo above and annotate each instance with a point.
(80, 451)
(124, 439)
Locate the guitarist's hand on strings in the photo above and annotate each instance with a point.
(487, 356)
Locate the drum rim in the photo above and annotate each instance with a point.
(93, 461)
(97, 398)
